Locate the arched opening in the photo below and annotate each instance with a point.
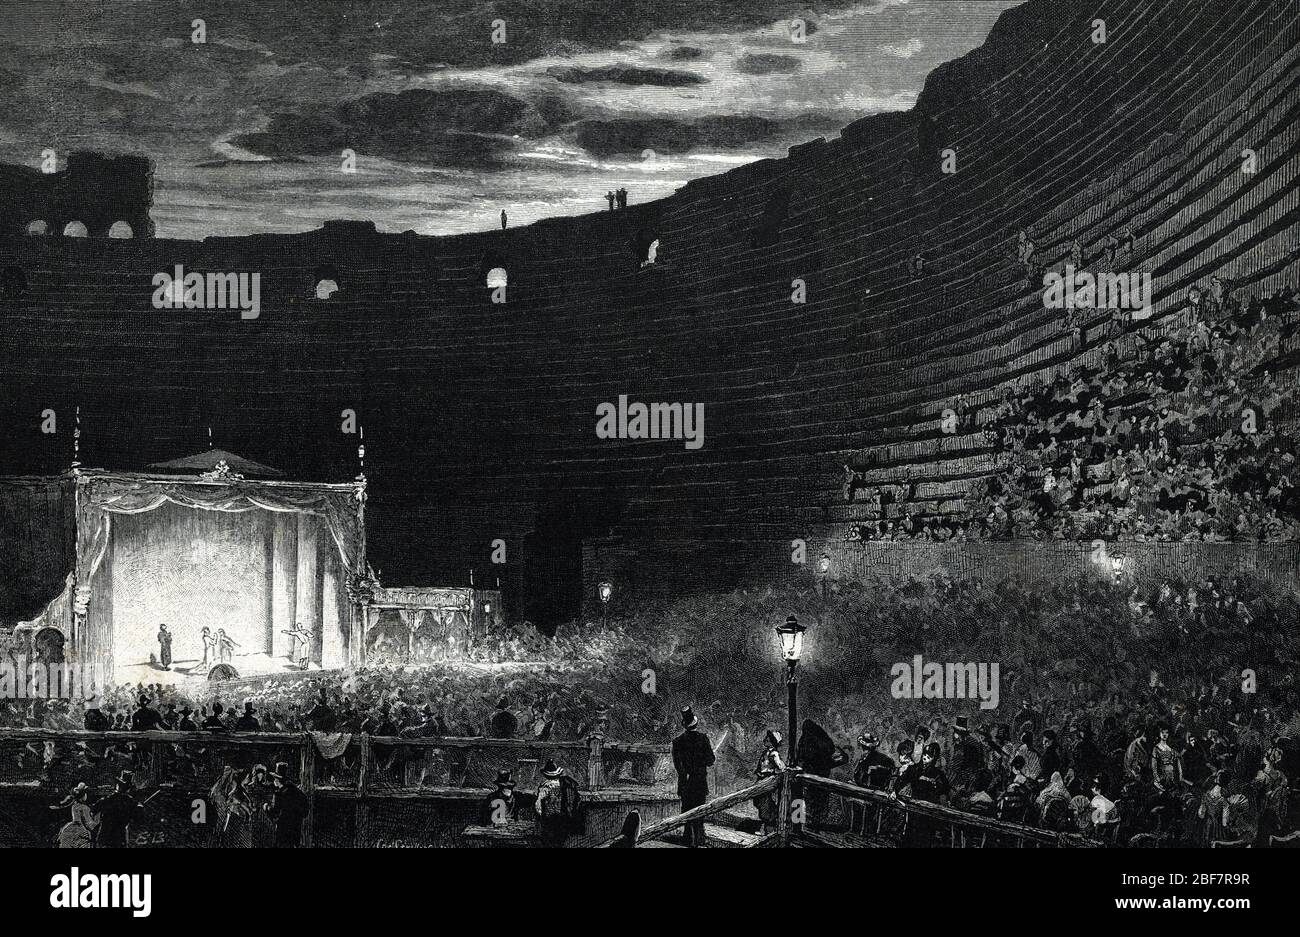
(37, 228)
(496, 277)
(645, 248)
(388, 640)
(121, 229)
(13, 282)
(75, 229)
(48, 646)
(327, 281)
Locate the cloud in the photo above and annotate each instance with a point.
(457, 126)
(666, 135)
(767, 63)
(903, 50)
(684, 53)
(625, 75)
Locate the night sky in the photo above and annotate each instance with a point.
(448, 128)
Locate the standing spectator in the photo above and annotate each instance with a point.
(692, 757)
(503, 724)
(1137, 758)
(503, 219)
(117, 812)
(288, 808)
(874, 768)
(609, 197)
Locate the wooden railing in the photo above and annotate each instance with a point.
(894, 818)
(704, 812)
(357, 774)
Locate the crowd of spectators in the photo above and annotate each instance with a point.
(1169, 435)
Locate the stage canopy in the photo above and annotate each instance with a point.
(255, 557)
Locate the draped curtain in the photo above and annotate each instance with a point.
(104, 497)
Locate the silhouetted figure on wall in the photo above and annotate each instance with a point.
(609, 197)
(622, 198)
(503, 219)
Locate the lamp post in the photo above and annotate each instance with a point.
(791, 635)
(605, 589)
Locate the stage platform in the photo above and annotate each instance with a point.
(192, 672)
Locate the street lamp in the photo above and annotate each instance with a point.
(791, 635)
(605, 589)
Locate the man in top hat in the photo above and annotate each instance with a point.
(117, 812)
(874, 767)
(503, 724)
(248, 722)
(145, 718)
(501, 805)
(556, 803)
(288, 808)
(164, 647)
(213, 722)
(320, 718)
(692, 757)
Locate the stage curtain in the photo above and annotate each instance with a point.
(109, 495)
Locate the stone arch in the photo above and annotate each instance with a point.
(48, 646)
(37, 228)
(497, 276)
(645, 247)
(13, 282)
(327, 280)
(121, 229)
(76, 229)
(388, 639)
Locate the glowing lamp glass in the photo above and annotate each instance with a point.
(791, 635)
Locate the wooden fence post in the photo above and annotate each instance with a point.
(361, 832)
(307, 780)
(783, 801)
(595, 761)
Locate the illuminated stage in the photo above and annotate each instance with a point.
(190, 672)
(257, 558)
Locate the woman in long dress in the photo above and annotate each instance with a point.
(79, 832)
(209, 643)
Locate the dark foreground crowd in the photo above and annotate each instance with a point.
(1196, 772)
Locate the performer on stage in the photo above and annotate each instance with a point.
(301, 650)
(209, 648)
(165, 647)
(225, 646)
